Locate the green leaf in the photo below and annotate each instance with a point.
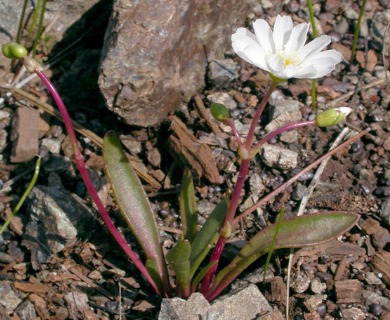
(179, 261)
(272, 246)
(298, 232)
(188, 210)
(151, 266)
(199, 277)
(206, 237)
(133, 204)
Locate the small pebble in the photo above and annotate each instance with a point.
(317, 286)
(313, 302)
(376, 309)
(321, 309)
(300, 283)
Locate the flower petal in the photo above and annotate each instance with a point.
(282, 30)
(327, 54)
(288, 72)
(274, 64)
(297, 39)
(305, 72)
(245, 44)
(264, 35)
(315, 46)
(324, 62)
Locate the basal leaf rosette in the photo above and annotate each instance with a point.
(282, 51)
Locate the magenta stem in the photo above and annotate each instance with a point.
(215, 255)
(207, 281)
(280, 130)
(88, 183)
(234, 201)
(218, 287)
(230, 123)
(256, 117)
(288, 183)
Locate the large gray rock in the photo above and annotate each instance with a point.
(156, 52)
(57, 219)
(63, 13)
(242, 304)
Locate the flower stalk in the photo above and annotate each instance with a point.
(79, 161)
(314, 32)
(283, 57)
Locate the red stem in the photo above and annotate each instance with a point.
(88, 183)
(217, 288)
(280, 130)
(230, 123)
(216, 254)
(296, 177)
(206, 283)
(259, 111)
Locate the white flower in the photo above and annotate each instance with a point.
(283, 52)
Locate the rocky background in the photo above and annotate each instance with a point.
(149, 70)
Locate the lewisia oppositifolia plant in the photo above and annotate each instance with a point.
(283, 54)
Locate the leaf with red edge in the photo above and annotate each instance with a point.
(133, 204)
(298, 232)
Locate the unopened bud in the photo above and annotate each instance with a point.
(13, 50)
(332, 117)
(219, 111)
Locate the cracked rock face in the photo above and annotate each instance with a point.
(156, 53)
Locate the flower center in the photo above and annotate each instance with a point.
(289, 59)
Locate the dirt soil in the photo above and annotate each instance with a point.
(347, 278)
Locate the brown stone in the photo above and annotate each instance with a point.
(370, 226)
(332, 5)
(191, 153)
(348, 291)
(31, 287)
(25, 134)
(381, 263)
(278, 291)
(371, 62)
(345, 51)
(156, 52)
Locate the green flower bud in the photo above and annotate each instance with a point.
(13, 50)
(219, 111)
(332, 117)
